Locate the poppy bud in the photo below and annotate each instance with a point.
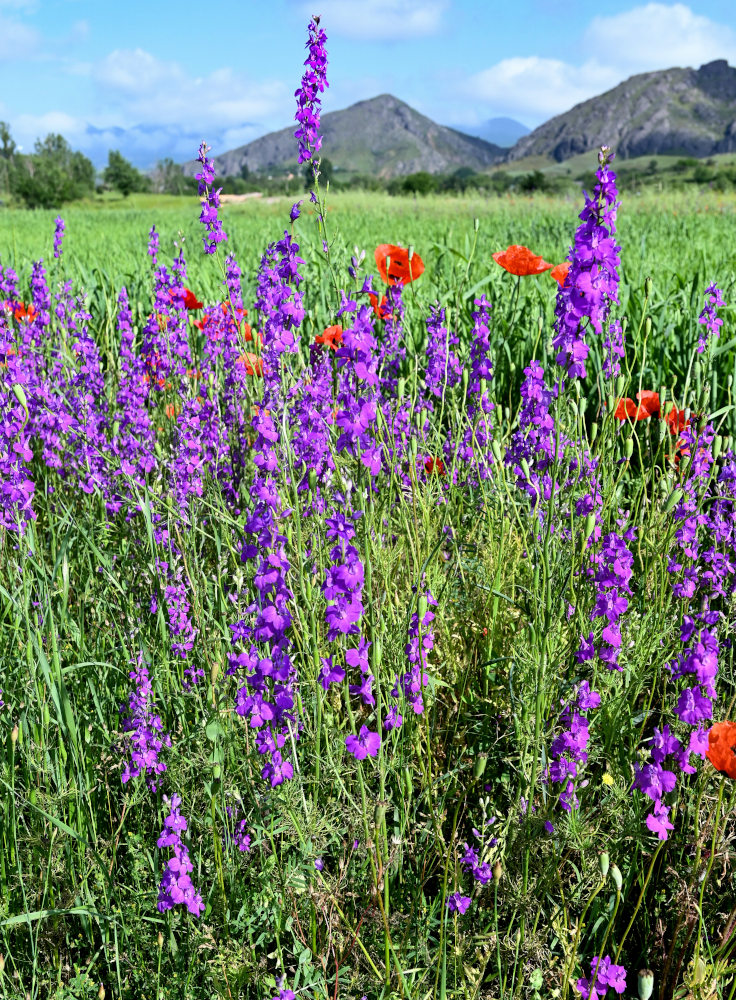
(20, 394)
(408, 782)
(647, 326)
(476, 224)
(611, 404)
(101, 992)
(583, 406)
(620, 385)
(46, 714)
(480, 765)
(616, 876)
(312, 479)
(216, 772)
(629, 449)
(14, 734)
(717, 445)
(512, 367)
(422, 607)
(400, 388)
(593, 431)
(379, 812)
(646, 983)
(673, 501)
(525, 469)
(497, 871)
(465, 379)
(160, 939)
(589, 525)
(377, 651)
(410, 251)
(496, 450)
(603, 861)
(648, 286)
(413, 447)
(2, 964)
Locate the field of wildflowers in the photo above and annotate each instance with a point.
(367, 632)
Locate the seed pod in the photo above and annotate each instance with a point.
(645, 983)
(616, 876)
(604, 862)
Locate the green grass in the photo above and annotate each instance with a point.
(79, 865)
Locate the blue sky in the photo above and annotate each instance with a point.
(161, 76)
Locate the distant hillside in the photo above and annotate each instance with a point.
(382, 136)
(499, 131)
(680, 112)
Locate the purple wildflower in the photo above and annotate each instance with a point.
(309, 103)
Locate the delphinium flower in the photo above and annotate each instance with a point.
(144, 729)
(17, 383)
(532, 446)
(569, 749)
(709, 317)
(474, 448)
(413, 682)
(443, 369)
(59, 227)
(40, 293)
(210, 202)
(603, 974)
(238, 836)
(309, 103)
(310, 412)
(614, 350)
(176, 888)
(365, 744)
(182, 631)
(584, 300)
(153, 245)
(613, 569)
(457, 903)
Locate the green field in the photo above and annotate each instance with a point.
(178, 492)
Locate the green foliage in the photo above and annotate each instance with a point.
(122, 176)
(52, 175)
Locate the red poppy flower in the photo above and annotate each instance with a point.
(332, 337)
(521, 261)
(191, 301)
(721, 750)
(400, 268)
(676, 421)
(626, 409)
(382, 310)
(252, 363)
(434, 465)
(24, 313)
(560, 272)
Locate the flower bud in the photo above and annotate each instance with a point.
(717, 446)
(616, 876)
(14, 734)
(629, 449)
(466, 377)
(620, 385)
(160, 940)
(648, 286)
(101, 992)
(400, 388)
(216, 772)
(2, 964)
(589, 525)
(593, 431)
(673, 501)
(497, 871)
(379, 812)
(647, 326)
(604, 862)
(496, 450)
(646, 983)
(480, 765)
(312, 480)
(422, 607)
(476, 224)
(413, 447)
(525, 469)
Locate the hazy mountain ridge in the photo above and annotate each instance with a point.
(382, 136)
(675, 111)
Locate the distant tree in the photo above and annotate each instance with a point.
(421, 182)
(326, 171)
(7, 152)
(460, 180)
(52, 174)
(122, 176)
(170, 178)
(244, 172)
(535, 181)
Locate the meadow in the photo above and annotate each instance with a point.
(368, 602)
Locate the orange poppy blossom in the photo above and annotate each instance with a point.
(626, 409)
(560, 272)
(521, 261)
(434, 465)
(721, 750)
(394, 265)
(332, 337)
(191, 301)
(24, 313)
(252, 363)
(172, 410)
(381, 310)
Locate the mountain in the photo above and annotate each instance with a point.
(500, 131)
(681, 112)
(382, 136)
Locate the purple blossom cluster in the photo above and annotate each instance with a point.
(569, 750)
(413, 682)
(474, 447)
(709, 317)
(59, 227)
(584, 300)
(145, 732)
(603, 975)
(210, 203)
(308, 101)
(612, 574)
(176, 888)
(457, 903)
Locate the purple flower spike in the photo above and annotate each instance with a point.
(457, 903)
(309, 104)
(210, 202)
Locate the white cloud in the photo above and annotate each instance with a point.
(658, 36)
(650, 37)
(380, 20)
(139, 88)
(17, 41)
